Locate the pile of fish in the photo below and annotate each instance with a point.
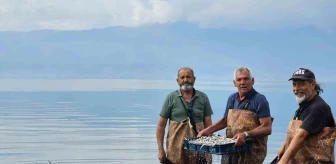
(212, 140)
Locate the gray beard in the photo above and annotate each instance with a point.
(300, 99)
(186, 87)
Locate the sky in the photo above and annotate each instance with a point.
(27, 15)
(60, 42)
(131, 45)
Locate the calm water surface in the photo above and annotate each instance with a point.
(100, 127)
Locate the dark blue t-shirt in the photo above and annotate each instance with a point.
(258, 104)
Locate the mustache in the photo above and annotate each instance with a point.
(298, 91)
(186, 83)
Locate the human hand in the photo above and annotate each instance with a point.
(281, 151)
(162, 156)
(281, 162)
(240, 139)
(203, 133)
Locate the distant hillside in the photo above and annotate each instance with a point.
(117, 52)
(149, 52)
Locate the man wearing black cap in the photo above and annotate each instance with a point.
(311, 132)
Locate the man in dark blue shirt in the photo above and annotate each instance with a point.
(247, 114)
(258, 104)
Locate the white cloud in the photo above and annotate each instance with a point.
(26, 15)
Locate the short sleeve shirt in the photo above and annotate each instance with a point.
(315, 115)
(258, 104)
(173, 108)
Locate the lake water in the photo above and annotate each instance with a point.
(105, 127)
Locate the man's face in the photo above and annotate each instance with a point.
(185, 79)
(243, 82)
(303, 90)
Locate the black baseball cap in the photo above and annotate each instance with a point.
(303, 74)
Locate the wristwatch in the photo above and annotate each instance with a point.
(246, 134)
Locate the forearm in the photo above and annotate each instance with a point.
(221, 124)
(290, 152)
(260, 131)
(264, 129)
(294, 146)
(160, 132)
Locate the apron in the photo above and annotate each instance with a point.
(239, 121)
(315, 149)
(177, 131)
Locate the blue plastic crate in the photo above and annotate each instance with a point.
(188, 146)
(217, 149)
(204, 149)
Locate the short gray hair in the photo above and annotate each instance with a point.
(241, 69)
(192, 71)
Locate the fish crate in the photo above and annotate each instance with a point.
(221, 149)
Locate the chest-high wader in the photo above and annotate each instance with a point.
(241, 120)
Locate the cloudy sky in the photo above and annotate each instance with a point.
(154, 38)
(27, 15)
(215, 36)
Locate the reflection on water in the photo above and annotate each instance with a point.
(59, 132)
(38, 131)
